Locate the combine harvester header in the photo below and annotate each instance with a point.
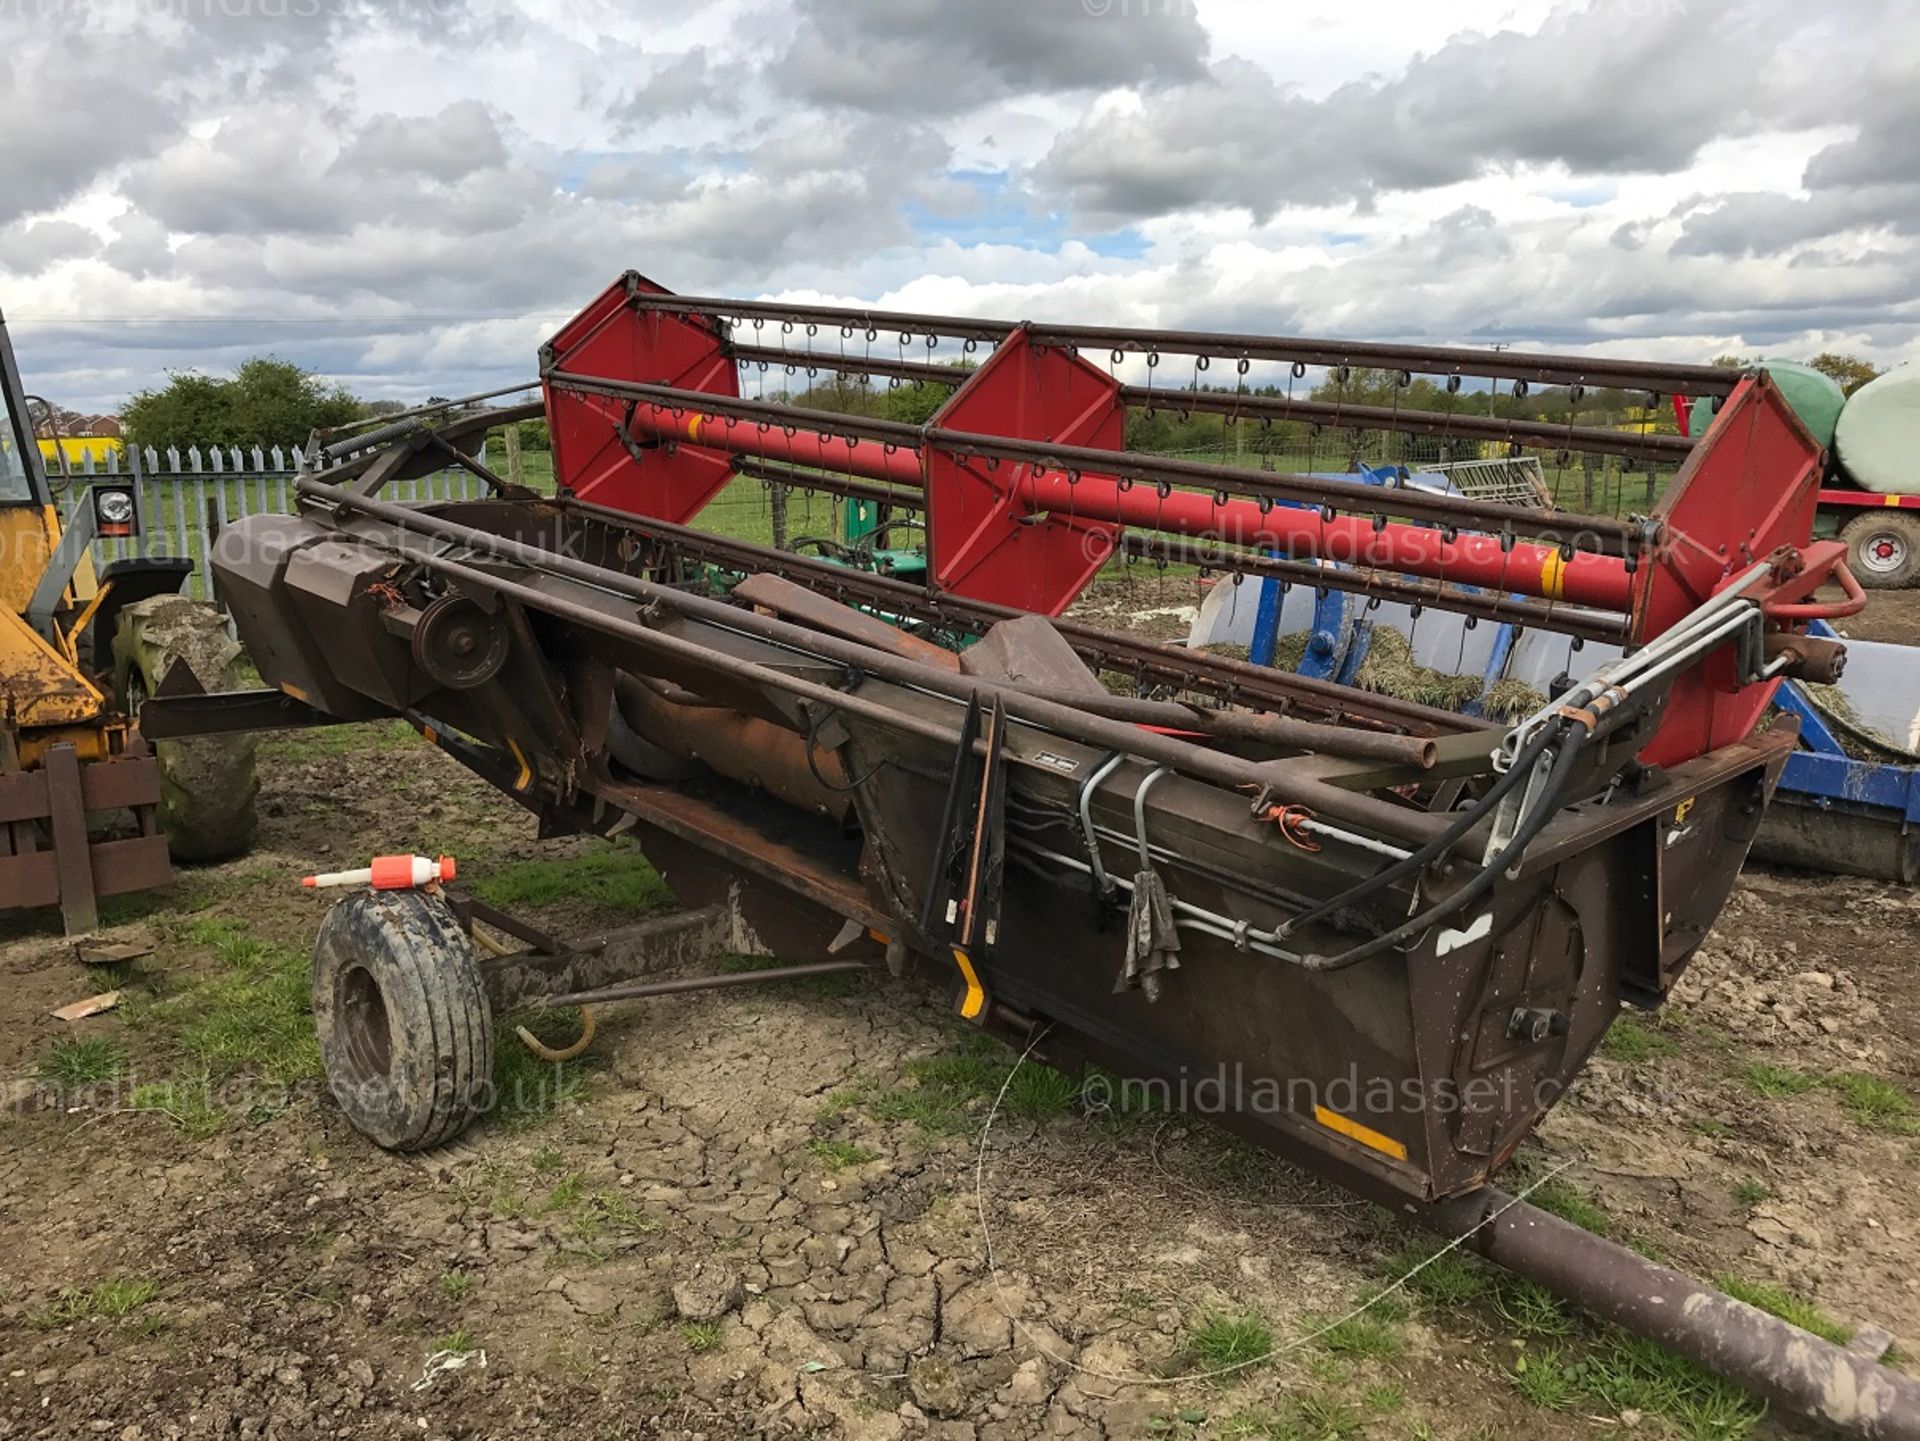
(1174, 863)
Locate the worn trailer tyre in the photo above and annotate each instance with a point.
(406, 1033)
(1883, 549)
(208, 785)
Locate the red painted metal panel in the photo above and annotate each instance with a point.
(670, 480)
(1748, 489)
(985, 542)
(1867, 499)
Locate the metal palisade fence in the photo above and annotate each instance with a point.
(186, 496)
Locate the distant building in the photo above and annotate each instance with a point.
(72, 442)
(79, 427)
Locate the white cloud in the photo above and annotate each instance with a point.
(409, 196)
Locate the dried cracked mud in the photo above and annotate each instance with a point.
(759, 1212)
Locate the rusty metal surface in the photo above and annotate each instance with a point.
(795, 602)
(588, 604)
(1224, 677)
(1029, 650)
(744, 748)
(687, 985)
(1439, 360)
(523, 978)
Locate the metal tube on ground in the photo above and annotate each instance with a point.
(1846, 1389)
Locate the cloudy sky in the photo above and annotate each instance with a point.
(411, 194)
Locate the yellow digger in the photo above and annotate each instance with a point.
(77, 650)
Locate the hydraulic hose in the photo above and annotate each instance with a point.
(1530, 826)
(1462, 823)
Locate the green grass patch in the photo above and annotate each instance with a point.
(1571, 1204)
(1751, 1192)
(1039, 1091)
(1631, 1041)
(566, 1192)
(82, 1061)
(253, 1015)
(1767, 1079)
(112, 1299)
(1794, 1310)
(611, 876)
(700, 1336)
(1628, 1373)
(459, 1342)
(527, 1090)
(609, 1211)
(1366, 1336)
(456, 1284)
(120, 1296)
(1876, 1104)
(1631, 1373)
(1317, 1416)
(1548, 1379)
(1383, 1398)
(1222, 1338)
(1451, 1279)
(949, 1095)
(838, 1155)
(188, 1103)
(323, 742)
(838, 1103)
(1531, 1309)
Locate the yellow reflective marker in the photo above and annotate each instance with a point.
(1553, 572)
(975, 999)
(1365, 1135)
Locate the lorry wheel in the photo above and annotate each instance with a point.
(207, 784)
(406, 1033)
(1883, 549)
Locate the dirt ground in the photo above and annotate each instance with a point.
(755, 1212)
(1891, 615)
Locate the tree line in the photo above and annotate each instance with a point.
(269, 402)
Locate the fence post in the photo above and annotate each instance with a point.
(516, 469)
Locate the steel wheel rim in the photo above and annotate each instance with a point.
(1884, 552)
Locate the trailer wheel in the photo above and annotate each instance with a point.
(1883, 549)
(405, 1029)
(207, 784)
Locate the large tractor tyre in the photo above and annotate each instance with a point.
(405, 1029)
(1883, 549)
(208, 784)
